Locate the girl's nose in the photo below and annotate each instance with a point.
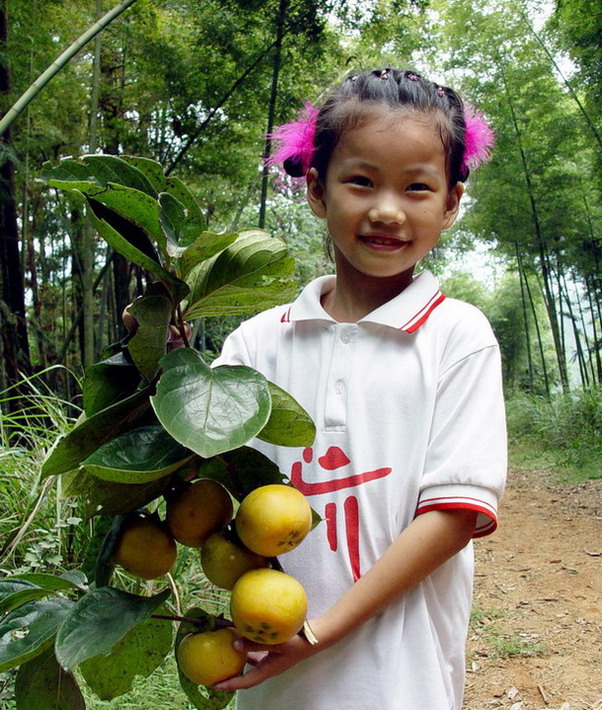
(387, 209)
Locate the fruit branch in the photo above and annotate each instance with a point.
(219, 623)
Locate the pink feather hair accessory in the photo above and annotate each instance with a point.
(295, 140)
(479, 138)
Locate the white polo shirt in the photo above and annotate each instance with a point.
(409, 414)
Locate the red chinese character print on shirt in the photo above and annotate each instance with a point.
(335, 458)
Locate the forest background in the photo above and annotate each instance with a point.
(196, 85)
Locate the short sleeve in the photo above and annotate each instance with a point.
(234, 350)
(466, 459)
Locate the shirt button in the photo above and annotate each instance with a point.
(339, 387)
(345, 338)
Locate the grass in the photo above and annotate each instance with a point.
(488, 625)
(563, 434)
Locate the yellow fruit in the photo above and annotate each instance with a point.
(208, 657)
(201, 509)
(145, 548)
(268, 606)
(224, 561)
(273, 519)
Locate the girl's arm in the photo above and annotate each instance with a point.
(429, 541)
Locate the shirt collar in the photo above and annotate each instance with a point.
(407, 311)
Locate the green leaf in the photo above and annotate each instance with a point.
(138, 456)
(69, 451)
(289, 424)
(41, 684)
(108, 382)
(96, 169)
(250, 275)
(109, 498)
(26, 631)
(132, 242)
(99, 620)
(133, 205)
(210, 410)
(200, 696)
(73, 579)
(153, 312)
(241, 471)
(204, 247)
(15, 592)
(138, 653)
(152, 171)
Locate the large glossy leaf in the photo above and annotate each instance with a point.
(135, 206)
(132, 242)
(108, 382)
(72, 579)
(289, 424)
(15, 592)
(69, 451)
(138, 653)
(153, 312)
(251, 274)
(200, 696)
(28, 630)
(99, 620)
(205, 246)
(241, 470)
(110, 498)
(138, 456)
(210, 410)
(41, 684)
(98, 170)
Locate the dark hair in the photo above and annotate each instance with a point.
(349, 105)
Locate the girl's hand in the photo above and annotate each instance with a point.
(268, 661)
(173, 336)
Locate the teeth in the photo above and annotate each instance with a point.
(383, 240)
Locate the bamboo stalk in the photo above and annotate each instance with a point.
(59, 63)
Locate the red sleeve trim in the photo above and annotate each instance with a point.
(486, 520)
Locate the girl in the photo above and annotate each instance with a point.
(404, 387)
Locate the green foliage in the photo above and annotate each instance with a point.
(570, 425)
(151, 419)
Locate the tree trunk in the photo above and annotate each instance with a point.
(15, 344)
(276, 64)
(522, 278)
(541, 245)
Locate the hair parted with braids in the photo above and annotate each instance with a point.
(310, 141)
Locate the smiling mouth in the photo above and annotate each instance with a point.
(382, 242)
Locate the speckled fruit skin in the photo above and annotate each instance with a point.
(273, 519)
(268, 606)
(145, 548)
(198, 511)
(224, 561)
(208, 657)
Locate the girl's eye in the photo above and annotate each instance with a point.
(417, 187)
(360, 180)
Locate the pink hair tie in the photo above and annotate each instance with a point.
(295, 140)
(478, 140)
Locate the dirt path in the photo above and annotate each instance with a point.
(536, 638)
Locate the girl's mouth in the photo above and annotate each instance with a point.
(380, 241)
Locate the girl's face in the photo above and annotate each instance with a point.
(386, 196)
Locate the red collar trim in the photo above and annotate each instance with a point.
(422, 316)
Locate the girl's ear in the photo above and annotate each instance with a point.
(453, 205)
(315, 193)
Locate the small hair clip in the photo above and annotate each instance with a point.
(412, 77)
(440, 91)
(353, 77)
(384, 74)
